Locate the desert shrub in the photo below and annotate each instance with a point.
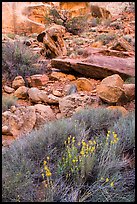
(7, 102)
(74, 25)
(17, 59)
(94, 22)
(35, 161)
(96, 120)
(11, 35)
(105, 38)
(130, 80)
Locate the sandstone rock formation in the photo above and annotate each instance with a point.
(98, 65)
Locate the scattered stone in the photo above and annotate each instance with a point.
(8, 89)
(129, 90)
(21, 92)
(17, 82)
(52, 39)
(38, 80)
(57, 93)
(84, 84)
(34, 95)
(6, 130)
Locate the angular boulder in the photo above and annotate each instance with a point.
(111, 88)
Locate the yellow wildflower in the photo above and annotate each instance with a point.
(47, 158)
(45, 162)
(48, 173)
(107, 179)
(79, 143)
(73, 160)
(112, 184)
(42, 175)
(82, 152)
(94, 142)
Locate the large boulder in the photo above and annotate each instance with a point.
(20, 121)
(69, 104)
(111, 88)
(43, 114)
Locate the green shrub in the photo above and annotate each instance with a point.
(130, 80)
(27, 162)
(17, 59)
(105, 38)
(7, 102)
(74, 25)
(11, 35)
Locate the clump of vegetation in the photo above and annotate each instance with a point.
(65, 161)
(11, 35)
(74, 25)
(17, 59)
(130, 80)
(105, 38)
(7, 102)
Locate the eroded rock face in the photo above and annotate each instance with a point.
(76, 8)
(52, 39)
(23, 17)
(21, 121)
(111, 88)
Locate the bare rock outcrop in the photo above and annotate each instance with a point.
(99, 64)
